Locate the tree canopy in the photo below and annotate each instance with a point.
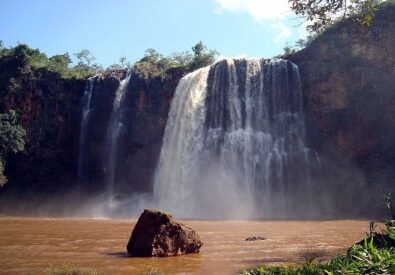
(154, 63)
(202, 56)
(323, 13)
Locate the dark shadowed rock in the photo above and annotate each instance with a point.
(158, 234)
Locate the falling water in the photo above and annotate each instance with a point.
(234, 143)
(113, 132)
(86, 108)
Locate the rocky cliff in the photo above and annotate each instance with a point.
(48, 108)
(144, 111)
(348, 80)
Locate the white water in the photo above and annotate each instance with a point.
(86, 109)
(234, 143)
(114, 129)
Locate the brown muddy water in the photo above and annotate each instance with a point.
(30, 245)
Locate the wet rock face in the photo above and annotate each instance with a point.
(158, 234)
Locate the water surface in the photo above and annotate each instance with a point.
(31, 245)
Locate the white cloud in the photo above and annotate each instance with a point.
(260, 10)
(283, 31)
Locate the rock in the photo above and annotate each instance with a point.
(158, 234)
(255, 238)
(348, 80)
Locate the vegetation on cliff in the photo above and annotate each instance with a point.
(322, 14)
(155, 64)
(11, 139)
(25, 60)
(44, 95)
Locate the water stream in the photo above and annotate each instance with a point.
(113, 132)
(86, 109)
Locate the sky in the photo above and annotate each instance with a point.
(110, 29)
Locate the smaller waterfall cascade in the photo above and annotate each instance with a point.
(114, 130)
(86, 109)
(234, 143)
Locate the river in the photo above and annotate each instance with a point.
(32, 245)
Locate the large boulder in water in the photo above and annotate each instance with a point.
(158, 234)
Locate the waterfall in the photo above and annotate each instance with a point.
(86, 108)
(234, 143)
(113, 132)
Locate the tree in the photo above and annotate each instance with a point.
(60, 62)
(323, 13)
(301, 43)
(123, 64)
(182, 58)
(288, 50)
(85, 57)
(151, 55)
(11, 139)
(199, 49)
(202, 56)
(85, 66)
(123, 61)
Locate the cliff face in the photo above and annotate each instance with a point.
(48, 107)
(143, 114)
(348, 80)
(50, 110)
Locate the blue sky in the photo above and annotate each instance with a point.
(111, 29)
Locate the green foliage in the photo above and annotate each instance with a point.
(202, 56)
(85, 66)
(3, 50)
(182, 58)
(11, 134)
(288, 50)
(151, 55)
(24, 60)
(122, 65)
(59, 63)
(299, 44)
(361, 259)
(324, 13)
(308, 269)
(11, 139)
(155, 64)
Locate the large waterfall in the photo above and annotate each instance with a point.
(234, 143)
